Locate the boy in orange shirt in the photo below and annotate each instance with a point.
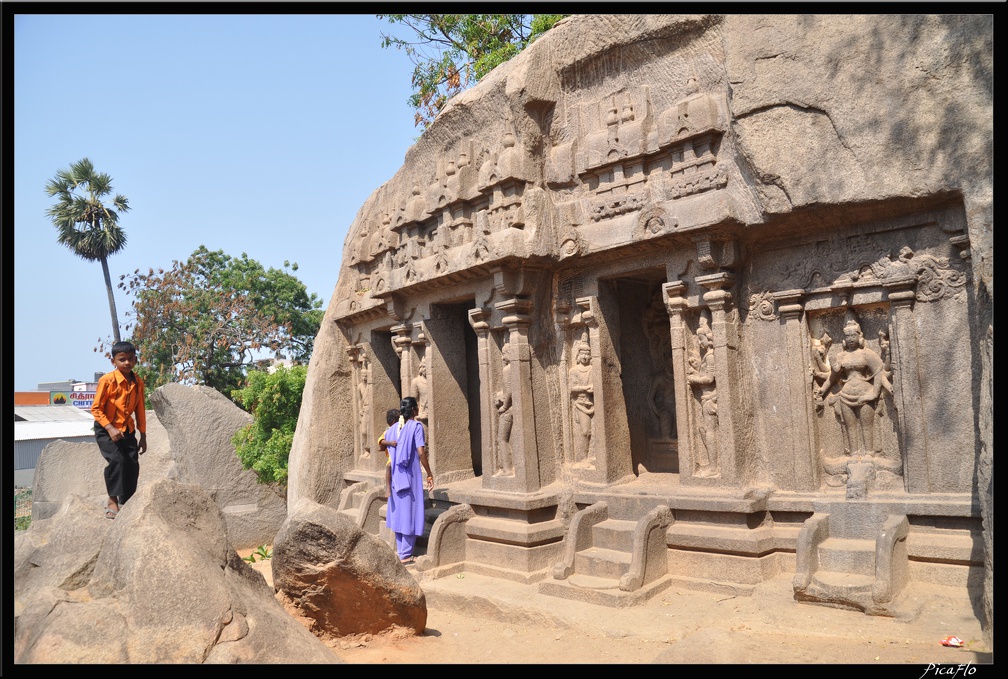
(118, 409)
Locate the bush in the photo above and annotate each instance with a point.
(274, 399)
(22, 508)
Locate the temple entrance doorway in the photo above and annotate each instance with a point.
(454, 426)
(644, 348)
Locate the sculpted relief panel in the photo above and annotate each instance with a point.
(582, 401)
(486, 197)
(873, 306)
(701, 376)
(503, 463)
(852, 392)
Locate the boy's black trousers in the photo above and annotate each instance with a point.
(123, 468)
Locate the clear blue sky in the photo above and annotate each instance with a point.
(251, 133)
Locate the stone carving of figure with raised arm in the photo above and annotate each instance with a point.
(700, 375)
(420, 390)
(862, 376)
(505, 418)
(820, 366)
(582, 399)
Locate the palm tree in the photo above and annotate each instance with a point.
(87, 226)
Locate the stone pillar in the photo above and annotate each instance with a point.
(401, 342)
(419, 355)
(524, 450)
(479, 319)
(610, 430)
(364, 441)
(675, 303)
(717, 298)
(581, 326)
(805, 462)
(907, 397)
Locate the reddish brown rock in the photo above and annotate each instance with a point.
(341, 579)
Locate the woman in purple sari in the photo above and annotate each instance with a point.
(407, 454)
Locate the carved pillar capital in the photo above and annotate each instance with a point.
(901, 291)
(479, 319)
(718, 285)
(790, 304)
(586, 311)
(401, 338)
(354, 352)
(516, 313)
(674, 299)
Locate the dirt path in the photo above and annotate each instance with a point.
(473, 619)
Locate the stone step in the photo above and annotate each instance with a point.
(592, 582)
(602, 563)
(961, 546)
(614, 534)
(432, 512)
(848, 581)
(846, 555)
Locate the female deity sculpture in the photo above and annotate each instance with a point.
(365, 409)
(419, 390)
(700, 375)
(505, 418)
(863, 377)
(582, 399)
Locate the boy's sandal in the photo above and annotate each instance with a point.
(110, 513)
(407, 562)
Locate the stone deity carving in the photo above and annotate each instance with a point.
(862, 376)
(365, 409)
(582, 400)
(820, 366)
(505, 418)
(661, 400)
(420, 390)
(700, 375)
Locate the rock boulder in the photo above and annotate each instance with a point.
(343, 580)
(160, 584)
(200, 422)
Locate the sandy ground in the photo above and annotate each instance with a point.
(472, 619)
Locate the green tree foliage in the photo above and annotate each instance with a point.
(208, 319)
(450, 52)
(274, 399)
(86, 225)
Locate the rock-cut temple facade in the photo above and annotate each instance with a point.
(685, 300)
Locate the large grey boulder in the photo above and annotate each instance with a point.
(343, 580)
(160, 584)
(189, 432)
(67, 468)
(200, 422)
(60, 551)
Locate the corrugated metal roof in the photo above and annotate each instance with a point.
(52, 413)
(28, 431)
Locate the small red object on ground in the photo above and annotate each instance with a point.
(955, 642)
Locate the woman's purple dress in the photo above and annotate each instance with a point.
(405, 513)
